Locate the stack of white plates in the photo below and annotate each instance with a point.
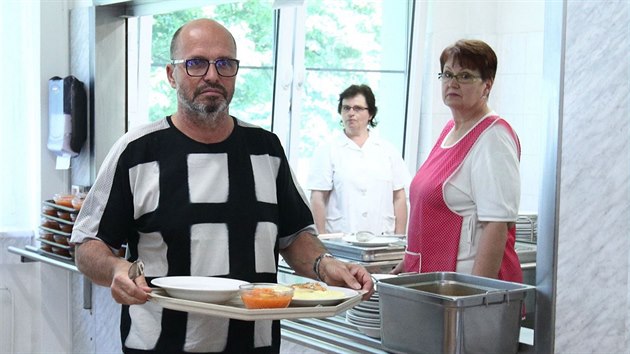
(366, 317)
(526, 228)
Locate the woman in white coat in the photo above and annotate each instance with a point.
(358, 180)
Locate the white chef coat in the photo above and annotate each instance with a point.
(361, 180)
(486, 187)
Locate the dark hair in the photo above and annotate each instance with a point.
(472, 54)
(366, 91)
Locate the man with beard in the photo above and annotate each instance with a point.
(199, 193)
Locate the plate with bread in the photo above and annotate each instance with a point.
(314, 294)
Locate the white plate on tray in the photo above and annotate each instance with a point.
(203, 289)
(374, 242)
(346, 294)
(236, 310)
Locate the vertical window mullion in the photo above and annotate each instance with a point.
(284, 76)
(299, 75)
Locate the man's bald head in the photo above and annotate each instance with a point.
(201, 23)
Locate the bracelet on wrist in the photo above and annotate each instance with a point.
(318, 260)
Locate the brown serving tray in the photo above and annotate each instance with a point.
(57, 219)
(236, 310)
(54, 231)
(51, 203)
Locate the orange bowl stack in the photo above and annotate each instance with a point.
(56, 226)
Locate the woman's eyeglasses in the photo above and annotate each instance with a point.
(462, 78)
(357, 109)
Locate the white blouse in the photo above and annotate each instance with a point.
(486, 187)
(362, 181)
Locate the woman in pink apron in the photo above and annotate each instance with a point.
(464, 199)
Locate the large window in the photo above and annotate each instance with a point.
(295, 60)
(352, 42)
(252, 24)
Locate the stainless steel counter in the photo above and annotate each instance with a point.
(335, 335)
(329, 335)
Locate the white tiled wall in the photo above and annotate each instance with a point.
(515, 31)
(20, 300)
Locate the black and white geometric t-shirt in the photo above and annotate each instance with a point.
(187, 208)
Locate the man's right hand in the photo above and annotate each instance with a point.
(126, 291)
(97, 262)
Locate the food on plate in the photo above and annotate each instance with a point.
(48, 210)
(51, 224)
(364, 236)
(45, 247)
(65, 227)
(60, 251)
(63, 199)
(309, 286)
(45, 235)
(315, 291)
(265, 295)
(62, 240)
(77, 201)
(63, 215)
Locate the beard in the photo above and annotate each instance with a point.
(206, 112)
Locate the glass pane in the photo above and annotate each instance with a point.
(353, 42)
(252, 24)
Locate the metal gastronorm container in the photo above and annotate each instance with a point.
(395, 251)
(448, 312)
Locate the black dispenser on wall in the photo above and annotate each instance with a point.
(67, 115)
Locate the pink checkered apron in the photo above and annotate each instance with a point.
(434, 230)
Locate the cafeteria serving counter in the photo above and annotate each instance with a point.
(326, 335)
(336, 335)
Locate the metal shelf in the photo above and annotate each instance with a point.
(32, 254)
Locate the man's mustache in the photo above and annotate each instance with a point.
(199, 90)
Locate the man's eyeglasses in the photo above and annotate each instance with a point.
(462, 78)
(357, 109)
(199, 67)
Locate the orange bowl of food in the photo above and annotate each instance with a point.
(63, 200)
(45, 247)
(45, 235)
(77, 201)
(63, 215)
(48, 210)
(62, 240)
(65, 227)
(51, 224)
(265, 295)
(60, 251)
